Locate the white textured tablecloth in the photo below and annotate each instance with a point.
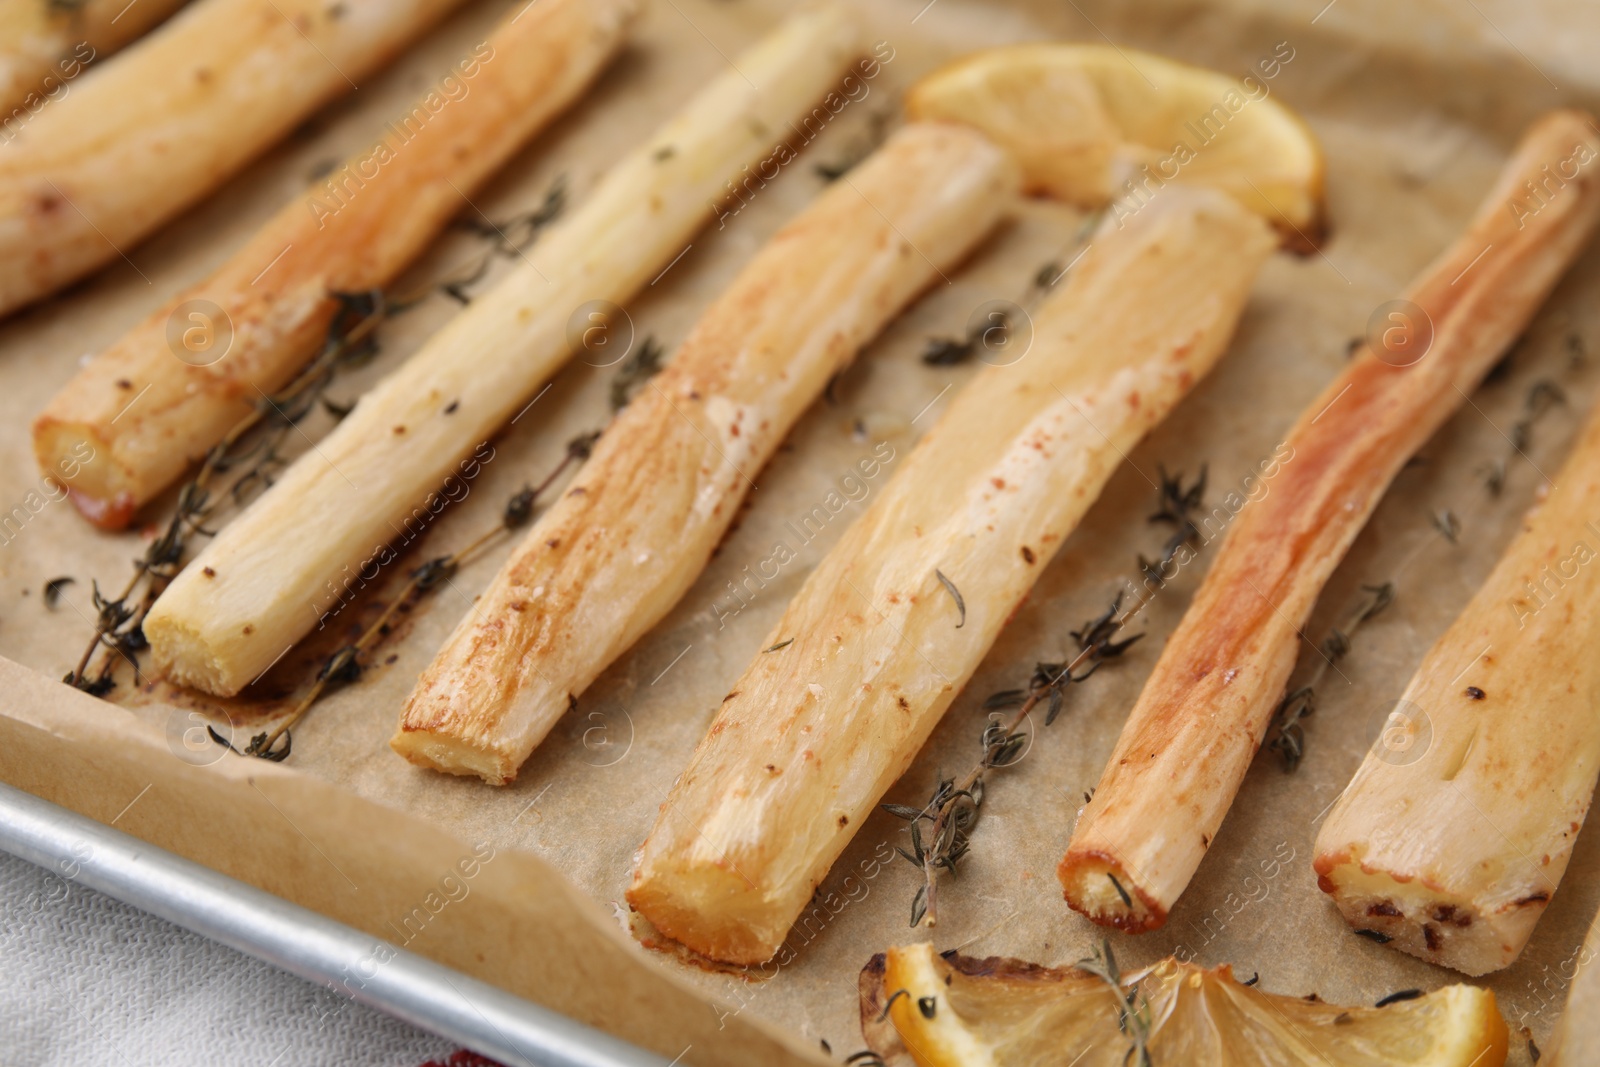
(86, 980)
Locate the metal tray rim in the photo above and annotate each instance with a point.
(368, 970)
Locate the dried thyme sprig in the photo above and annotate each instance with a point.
(119, 621)
(1577, 352)
(1448, 524)
(950, 351)
(1288, 736)
(952, 811)
(1176, 507)
(252, 446)
(345, 666)
(509, 238)
(864, 144)
(52, 589)
(1543, 396)
(642, 364)
(1133, 1010)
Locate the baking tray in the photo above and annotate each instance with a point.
(381, 975)
(1416, 105)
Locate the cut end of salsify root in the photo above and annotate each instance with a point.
(711, 908)
(184, 657)
(72, 455)
(1471, 936)
(468, 745)
(1102, 891)
(439, 752)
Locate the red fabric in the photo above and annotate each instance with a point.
(463, 1058)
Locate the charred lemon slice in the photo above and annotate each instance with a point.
(1098, 126)
(962, 1012)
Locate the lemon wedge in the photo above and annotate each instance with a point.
(1100, 126)
(963, 1012)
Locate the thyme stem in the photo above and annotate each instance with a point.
(1288, 736)
(950, 351)
(118, 627)
(1133, 1019)
(995, 756)
(345, 664)
(953, 809)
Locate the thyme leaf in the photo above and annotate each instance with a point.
(902, 811)
(1543, 396)
(896, 995)
(947, 352)
(1133, 1010)
(1448, 525)
(1287, 734)
(862, 146)
(52, 589)
(639, 367)
(1127, 901)
(952, 351)
(950, 587)
(336, 409)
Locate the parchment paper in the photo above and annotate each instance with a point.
(1416, 106)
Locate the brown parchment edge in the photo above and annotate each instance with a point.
(519, 925)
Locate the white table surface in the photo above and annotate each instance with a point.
(86, 980)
